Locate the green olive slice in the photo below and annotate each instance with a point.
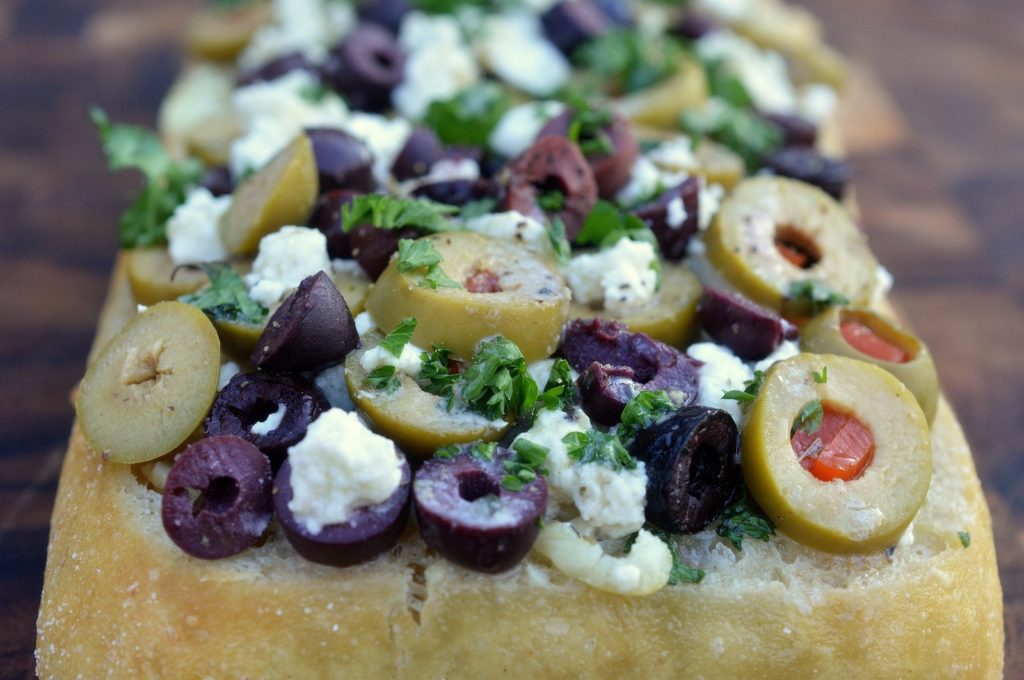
(279, 194)
(867, 513)
(151, 385)
(221, 33)
(417, 421)
(765, 217)
(824, 333)
(354, 288)
(530, 308)
(670, 316)
(659, 106)
(152, 276)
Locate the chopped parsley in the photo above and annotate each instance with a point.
(743, 518)
(813, 297)
(599, 447)
(395, 341)
(447, 452)
(681, 572)
(390, 212)
(497, 384)
(226, 297)
(726, 85)
(383, 378)
(820, 378)
(606, 225)
(551, 201)
(480, 451)
(559, 242)
(630, 58)
(420, 254)
(560, 389)
(524, 467)
(751, 389)
(167, 181)
(469, 116)
(587, 123)
(965, 538)
(642, 411)
(809, 419)
(435, 376)
(743, 131)
(478, 208)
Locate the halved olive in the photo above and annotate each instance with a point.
(773, 232)
(281, 193)
(670, 316)
(150, 272)
(529, 307)
(239, 338)
(151, 385)
(417, 421)
(192, 114)
(659, 106)
(718, 164)
(220, 33)
(354, 287)
(867, 335)
(889, 440)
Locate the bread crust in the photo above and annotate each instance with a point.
(121, 600)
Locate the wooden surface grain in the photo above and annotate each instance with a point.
(940, 177)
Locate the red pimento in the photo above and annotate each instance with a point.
(483, 281)
(841, 448)
(863, 339)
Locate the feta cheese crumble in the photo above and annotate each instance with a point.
(513, 47)
(762, 72)
(285, 258)
(364, 323)
(621, 277)
(512, 226)
(408, 363)
(518, 128)
(722, 371)
(193, 233)
(438, 63)
(384, 136)
(339, 467)
(228, 370)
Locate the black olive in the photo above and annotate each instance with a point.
(387, 13)
(657, 214)
(751, 331)
(275, 68)
(326, 216)
(831, 175)
(570, 23)
(421, 150)
(365, 67)
(692, 467)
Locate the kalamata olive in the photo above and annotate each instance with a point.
(796, 131)
(365, 67)
(673, 217)
(692, 467)
(459, 192)
(467, 515)
(751, 331)
(617, 11)
(594, 346)
(831, 175)
(217, 498)
(552, 179)
(613, 167)
(386, 13)
(372, 248)
(570, 23)
(367, 532)
(422, 149)
(491, 164)
(342, 161)
(250, 403)
(692, 26)
(275, 68)
(217, 180)
(312, 329)
(326, 216)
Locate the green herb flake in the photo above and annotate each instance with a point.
(587, 123)
(726, 85)
(525, 465)
(478, 208)
(820, 378)
(743, 518)
(395, 341)
(390, 212)
(813, 297)
(599, 447)
(497, 383)
(630, 58)
(752, 388)
(226, 297)
(483, 450)
(436, 278)
(560, 389)
(559, 241)
(383, 378)
(447, 452)
(743, 131)
(470, 116)
(809, 419)
(551, 201)
(435, 376)
(606, 225)
(965, 538)
(416, 254)
(642, 411)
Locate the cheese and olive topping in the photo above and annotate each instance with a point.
(193, 233)
(619, 278)
(285, 258)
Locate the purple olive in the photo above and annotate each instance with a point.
(467, 515)
(386, 13)
(217, 180)
(367, 532)
(217, 499)
(342, 161)
(599, 349)
(275, 68)
(796, 131)
(692, 467)
(552, 179)
(617, 11)
(692, 26)
(831, 175)
(612, 168)
(365, 67)
(422, 149)
(571, 23)
(673, 217)
(250, 399)
(326, 216)
(372, 248)
(751, 331)
(312, 329)
(459, 192)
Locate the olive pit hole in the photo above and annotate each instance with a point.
(797, 247)
(475, 484)
(219, 495)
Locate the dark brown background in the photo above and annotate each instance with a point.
(941, 186)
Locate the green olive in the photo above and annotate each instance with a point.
(353, 288)
(915, 369)
(671, 316)
(221, 33)
(192, 117)
(150, 272)
(239, 338)
(211, 141)
(530, 308)
(718, 164)
(766, 217)
(867, 513)
(279, 194)
(416, 420)
(659, 106)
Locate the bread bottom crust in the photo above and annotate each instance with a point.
(121, 600)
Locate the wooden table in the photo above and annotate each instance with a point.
(941, 185)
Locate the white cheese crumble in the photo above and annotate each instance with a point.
(709, 201)
(331, 382)
(674, 155)
(540, 371)
(339, 467)
(621, 277)
(228, 370)
(274, 113)
(450, 169)
(285, 258)
(518, 128)
(364, 323)
(438, 63)
(513, 47)
(647, 180)
(762, 72)
(408, 363)
(722, 371)
(512, 226)
(350, 267)
(726, 10)
(817, 102)
(193, 233)
(883, 284)
(270, 423)
(675, 213)
(297, 26)
(785, 350)
(384, 136)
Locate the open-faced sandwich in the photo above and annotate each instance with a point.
(524, 338)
